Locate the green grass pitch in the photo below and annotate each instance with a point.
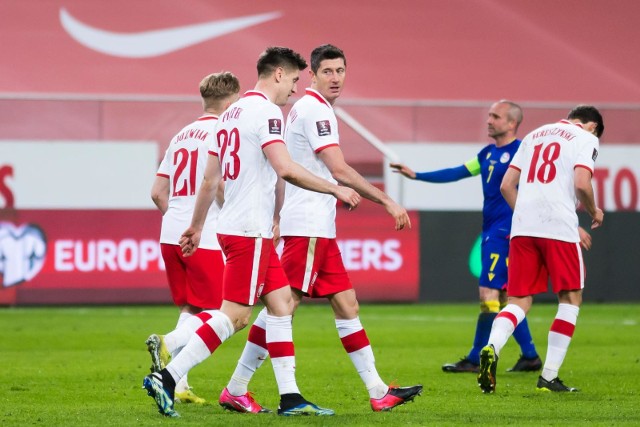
(83, 366)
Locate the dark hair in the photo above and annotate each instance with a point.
(326, 51)
(586, 114)
(276, 56)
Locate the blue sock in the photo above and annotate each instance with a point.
(483, 330)
(523, 337)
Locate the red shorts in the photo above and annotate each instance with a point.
(314, 266)
(252, 268)
(194, 280)
(535, 260)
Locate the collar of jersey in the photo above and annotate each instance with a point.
(207, 117)
(316, 94)
(255, 93)
(571, 123)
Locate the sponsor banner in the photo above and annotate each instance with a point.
(77, 175)
(74, 256)
(383, 263)
(616, 179)
(81, 249)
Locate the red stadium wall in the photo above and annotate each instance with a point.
(545, 51)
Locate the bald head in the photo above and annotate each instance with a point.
(503, 120)
(514, 112)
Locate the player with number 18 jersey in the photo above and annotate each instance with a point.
(546, 203)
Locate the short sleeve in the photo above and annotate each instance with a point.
(270, 127)
(588, 152)
(163, 169)
(321, 128)
(518, 158)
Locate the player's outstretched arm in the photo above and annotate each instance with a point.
(295, 174)
(333, 158)
(471, 168)
(190, 239)
(403, 170)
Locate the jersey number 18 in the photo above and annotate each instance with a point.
(546, 171)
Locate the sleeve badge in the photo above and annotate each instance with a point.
(324, 127)
(275, 126)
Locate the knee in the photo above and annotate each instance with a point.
(279, 302)
(346, 308)
(239, 315)
(241, 322)
(353, 309)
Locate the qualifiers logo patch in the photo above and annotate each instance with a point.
(22, 253)
(275, 126)
(594, 156)
(324, 127)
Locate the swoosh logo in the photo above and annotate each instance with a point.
(147, 44)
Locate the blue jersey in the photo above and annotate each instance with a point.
(492, 164)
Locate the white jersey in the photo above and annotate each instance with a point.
(546, 202)
(244, 129)
(311, 127)
(184, 164)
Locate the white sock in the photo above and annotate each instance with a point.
(504, 325)
(356, 344)
(254, 354)
(182, 318)
(201, 345)
(280, 346)
(180, 336)
(183, 384)
(559, 339)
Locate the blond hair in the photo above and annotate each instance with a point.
(216, 88)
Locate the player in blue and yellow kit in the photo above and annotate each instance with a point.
(491, 163)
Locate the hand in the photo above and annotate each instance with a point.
(348, 196)
(596, 220)
(402, 169)
(585, 239)
(399, 214)
(189, 241)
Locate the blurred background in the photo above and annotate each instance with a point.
(92, 91)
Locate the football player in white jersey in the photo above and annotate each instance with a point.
(195, 282)
(311, 257)
(550, 173)
(247, 154)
